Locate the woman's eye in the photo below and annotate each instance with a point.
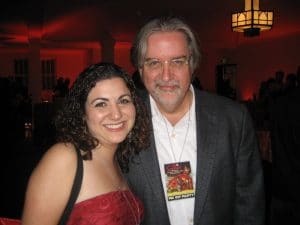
(125, 101)
(100, 104)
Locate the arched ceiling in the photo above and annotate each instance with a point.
(88, 20)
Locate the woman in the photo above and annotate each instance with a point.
(102, 117)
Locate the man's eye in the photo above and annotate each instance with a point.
(178, 61)
(154, 63)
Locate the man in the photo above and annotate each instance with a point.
(196, 134)
(285, 139)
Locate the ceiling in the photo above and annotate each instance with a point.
(67, 21)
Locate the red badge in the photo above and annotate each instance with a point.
(179, 181)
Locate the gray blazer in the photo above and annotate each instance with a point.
(229, 186)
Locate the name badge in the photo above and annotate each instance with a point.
(179, 181)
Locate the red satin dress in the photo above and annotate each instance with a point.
(113, 208)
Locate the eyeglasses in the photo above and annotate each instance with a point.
(176, 64)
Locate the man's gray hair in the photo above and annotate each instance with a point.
(164, 24)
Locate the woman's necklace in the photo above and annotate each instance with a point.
(133, 207)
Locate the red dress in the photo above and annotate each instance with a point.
(113, 208)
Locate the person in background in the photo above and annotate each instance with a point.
(210, 136)
(103, 118)
(285, 142)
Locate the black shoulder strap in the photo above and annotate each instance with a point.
(75, 190)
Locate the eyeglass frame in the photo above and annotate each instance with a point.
(171, 62)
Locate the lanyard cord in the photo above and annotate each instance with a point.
(186, 133)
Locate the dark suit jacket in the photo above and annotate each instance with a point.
(229, 186)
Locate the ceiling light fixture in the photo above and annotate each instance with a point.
(252, 20)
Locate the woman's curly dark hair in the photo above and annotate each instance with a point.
(71, 126)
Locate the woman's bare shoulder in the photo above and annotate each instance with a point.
(58, 163)
(59, 157)
(51, 183)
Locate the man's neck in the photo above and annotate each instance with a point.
(177, 114)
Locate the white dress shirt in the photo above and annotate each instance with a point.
(180, 146)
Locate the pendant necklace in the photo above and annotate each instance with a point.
(185, 137)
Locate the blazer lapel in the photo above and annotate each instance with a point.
(206, 130)
(151, 170)
(150, 165)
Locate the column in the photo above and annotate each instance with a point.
(107, 47)
(35, 73)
